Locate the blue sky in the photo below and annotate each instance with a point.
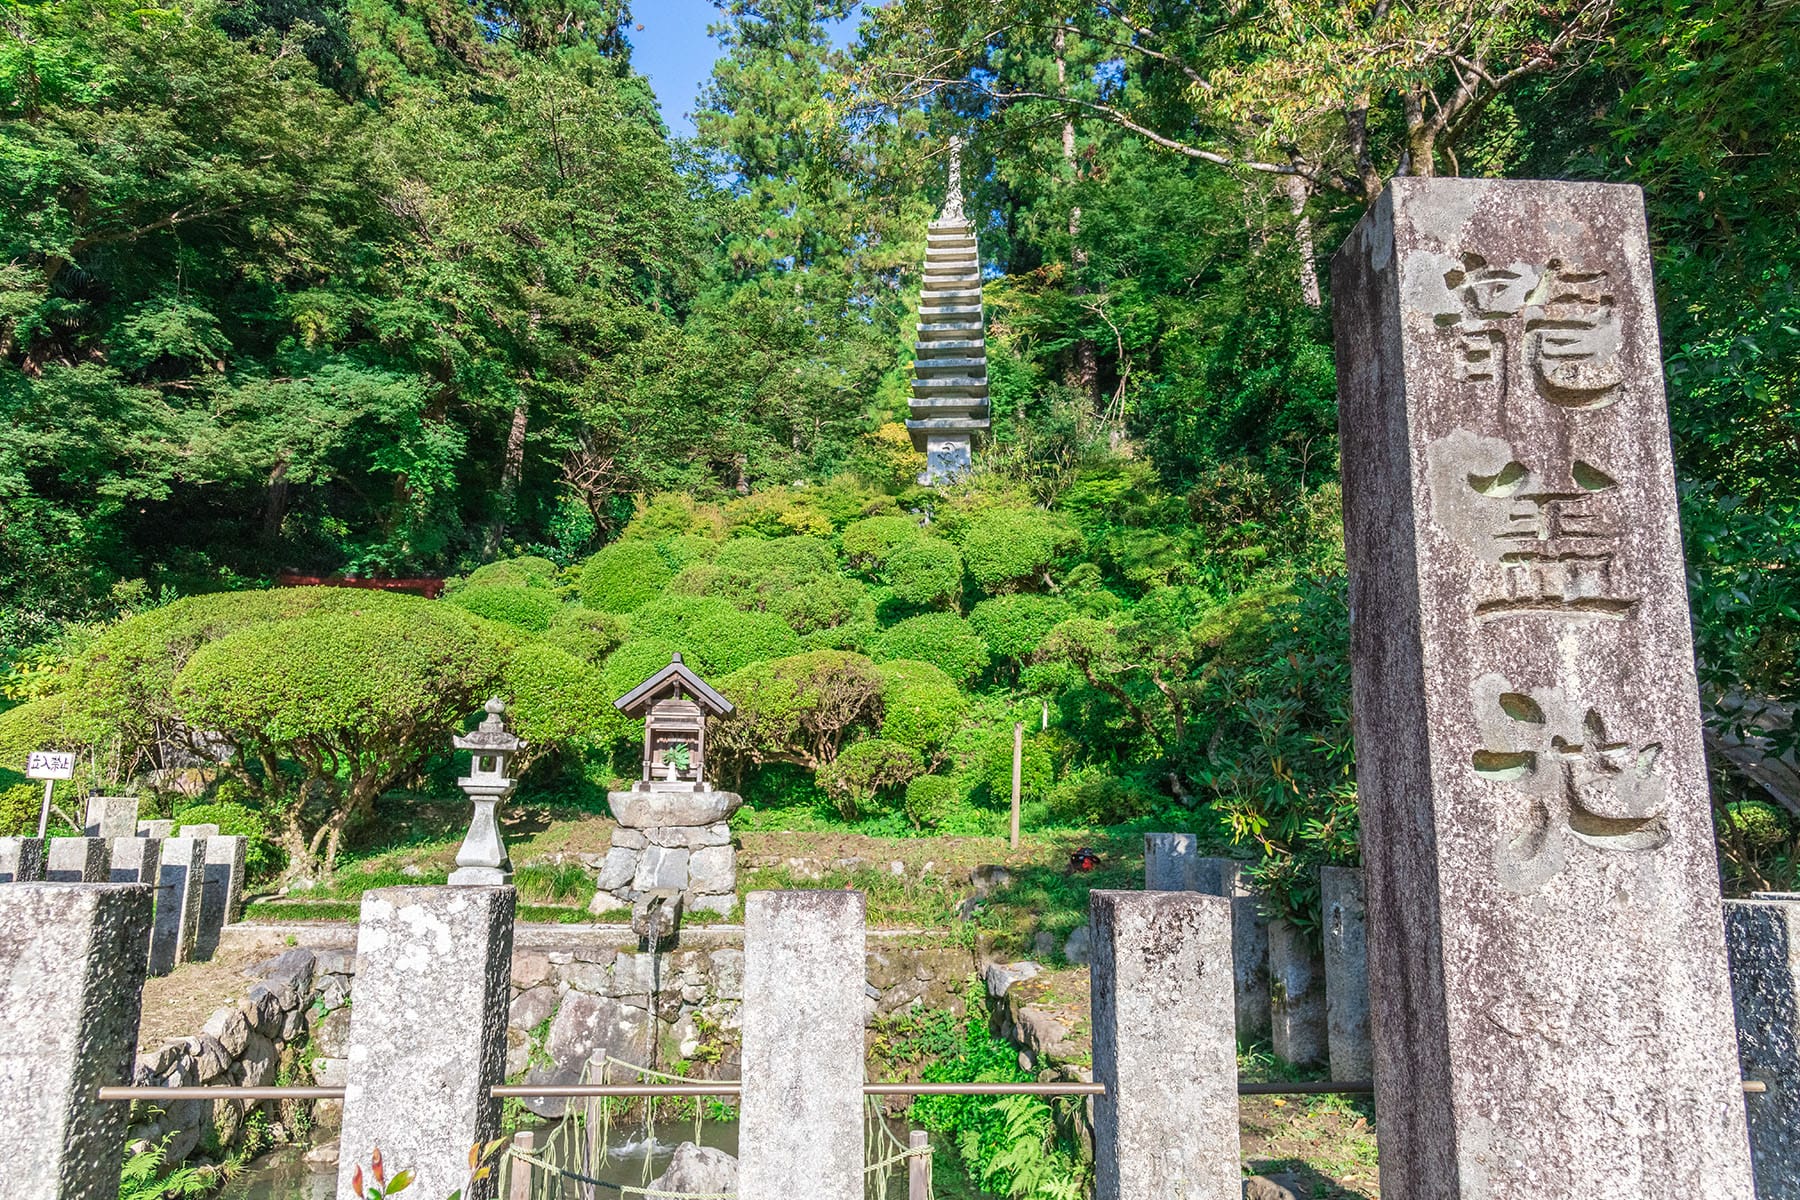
(673, 51)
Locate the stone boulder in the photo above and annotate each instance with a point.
(656, 810)
(697, 1171)
(584, 1027)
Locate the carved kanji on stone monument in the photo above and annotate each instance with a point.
(1547, 972)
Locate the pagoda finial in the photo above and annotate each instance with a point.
(953, 199)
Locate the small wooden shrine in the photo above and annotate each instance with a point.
(675, 705)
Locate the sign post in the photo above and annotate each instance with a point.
(49, 766)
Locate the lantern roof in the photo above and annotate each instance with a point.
(639, 699)
(491, 735)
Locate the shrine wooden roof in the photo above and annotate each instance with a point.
(638, 700)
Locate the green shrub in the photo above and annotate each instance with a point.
(930, 798)
(928, 573)
(555, 700)
(263, 856)
(828, 602)
(672, 515)
(624, 576)
(942, 639)
(920, 705)
(715, 637)
(39, 724)
(869, 543)
(512, 604)
(687, 548)
(1761, 825)
(1037, 767)
(751, 572)
(864, 770)
(1014, 626)
(530, 571)
(587, 633)
(1013, 549)
(1090, 796)
(347, 703)
(797, 710)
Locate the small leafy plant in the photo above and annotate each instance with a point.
(379, 1187)
(679, 755)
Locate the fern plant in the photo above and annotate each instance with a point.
(143, 1177)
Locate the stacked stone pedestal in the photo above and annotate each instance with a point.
(667, 845)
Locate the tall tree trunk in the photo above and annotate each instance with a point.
(512, 467)
(1297, 191)
(1086, 374)
(275, 506)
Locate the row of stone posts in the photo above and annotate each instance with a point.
(427, 1039)
(1306, 994)
(197, 874)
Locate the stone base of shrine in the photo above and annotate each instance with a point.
(699, 861)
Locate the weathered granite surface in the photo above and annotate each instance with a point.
(178, 882)
(1345, 921)
(1762, 938)
(21, 860)
(1551, 1001)
(427, 1036)
(111, 817)
(1172, 863)
(69, 996)
(801, 1125)
(76, 860)
(222, 890)
(135, 859)
(1297, 1014)
(1165, 1046)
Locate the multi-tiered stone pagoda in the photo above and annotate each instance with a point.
(950, 384)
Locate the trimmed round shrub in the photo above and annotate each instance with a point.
(555, 699)
(920, 705)
(1014, 626)
(688, 548)
(263, 856)
(1037, 769)
(586, 633)
(866, 769)
(928, 573)
(941, 639)
(529, 571)
(798, 709)
(930, 798)
(716, 638)
(1762, 826)
(512, 604)
(624, 576)
(1089, 796)
(1011, 549)
(674, 514)
(35, 725)
(869, 543)
(826, 603)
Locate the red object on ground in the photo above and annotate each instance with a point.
(428, 588)
(1083, 860)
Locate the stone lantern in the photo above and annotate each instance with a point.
(672, 840)
(482, 859)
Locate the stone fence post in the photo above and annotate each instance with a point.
(1552, 1008)
(73, 976)
(1762, 938)
(111, 817)
(427, 1033)
(1345, 919)
(1165, 1046)
(76, 860)
(222, 890)
(800, 1127)
(1172, 863)
(178, 882)
(21, 860)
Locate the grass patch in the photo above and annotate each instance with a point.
(564, 883)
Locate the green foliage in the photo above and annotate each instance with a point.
(868, 544)
(1761, 825)
(40, 724)
(864, 770)
(526, 572)
(1014, 626)
(263, 856)
(920, 705)
(1037, 767)
(586, 633)
(715, 637)
(926, 574)
(554, 699)
(798, 710)
(942, 639)
(623, 576)
(929, 799)
(512, 604)
(1009, 550)
(144, 1177)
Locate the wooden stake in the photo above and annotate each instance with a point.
(918, 1167)
(1018, 759)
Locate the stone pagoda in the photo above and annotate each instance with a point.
(673, 841)
(950, 384)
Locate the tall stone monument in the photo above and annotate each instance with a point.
(950, 384)
(673, 840)
(1552, 1011)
